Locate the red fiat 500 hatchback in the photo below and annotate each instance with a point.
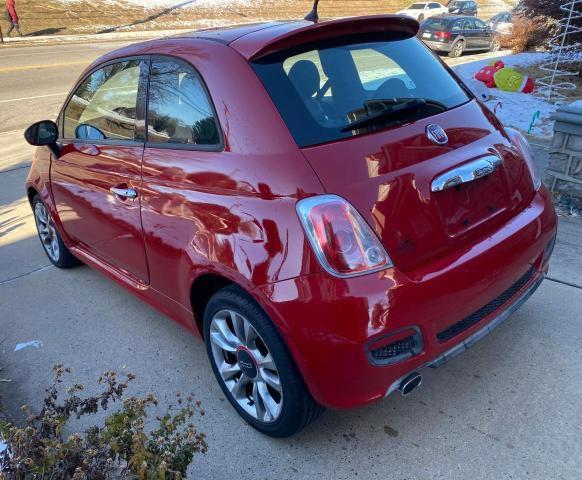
(326, 205)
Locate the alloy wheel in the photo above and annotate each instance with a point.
(246, 366)
(47, 232)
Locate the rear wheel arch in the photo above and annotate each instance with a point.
(31, 192)
(201, 291)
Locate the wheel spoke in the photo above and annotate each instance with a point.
(258, 401)
(271, 378)
(229, 370)
(238, 390)
(264, 361)
(222, 336)
(250, 334)
(268, 402)
(238, 323)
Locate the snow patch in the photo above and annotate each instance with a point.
(32, 343)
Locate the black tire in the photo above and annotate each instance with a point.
(298, 408)
(457, 49)
(63, 258)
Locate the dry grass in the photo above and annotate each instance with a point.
(534, 71)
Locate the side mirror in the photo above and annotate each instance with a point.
(42, 133)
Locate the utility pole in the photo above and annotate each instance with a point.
(1, 35)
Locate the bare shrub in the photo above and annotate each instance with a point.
(121, 448)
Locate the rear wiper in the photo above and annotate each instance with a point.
(390, 112)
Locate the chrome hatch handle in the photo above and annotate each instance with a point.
(467, 172)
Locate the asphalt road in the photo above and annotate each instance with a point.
(509, 408)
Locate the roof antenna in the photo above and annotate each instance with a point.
(313, 16)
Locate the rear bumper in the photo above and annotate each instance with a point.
(329, 324)
(438, 46)
(504, 313)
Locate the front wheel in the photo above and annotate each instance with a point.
(254, 367)
(49, 237)
(457, 49)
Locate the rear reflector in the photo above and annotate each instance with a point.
(396, 347)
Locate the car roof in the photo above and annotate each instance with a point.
(259, 39)
(228, 34)
(451, 17)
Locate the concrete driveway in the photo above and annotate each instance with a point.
(509, 408)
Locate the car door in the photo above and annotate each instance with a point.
(433, 9)
(181, 174)
(96, 178)
(471, 34)
(483, 34)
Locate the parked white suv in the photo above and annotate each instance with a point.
(422, 10)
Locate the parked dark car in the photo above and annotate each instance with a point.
(455, 35)
(502, 23)
(463, 7)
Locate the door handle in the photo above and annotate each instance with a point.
(124, 192)
(467, 172)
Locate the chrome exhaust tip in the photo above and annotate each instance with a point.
(410, 383)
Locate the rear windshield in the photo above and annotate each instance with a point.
(322, 89)
(436, 24)
(417, 6)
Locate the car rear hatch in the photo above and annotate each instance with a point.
(435, 30)
(368, 110)
(387, 176)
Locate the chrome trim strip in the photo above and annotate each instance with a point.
(467, 172)
(478, 335)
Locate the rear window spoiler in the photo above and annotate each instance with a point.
(253, 48)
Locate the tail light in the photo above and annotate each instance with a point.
(343, 242)
(443, 35)
(521, 143)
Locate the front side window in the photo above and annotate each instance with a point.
(104, 106)
(331, 90)
(480, 24)
(179, 110)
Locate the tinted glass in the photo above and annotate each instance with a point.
(433, 5)
(358, 74)
(437, 24)
(417, 6)
(104, 106)
(458, 26)
(179, 110)
(480, 23)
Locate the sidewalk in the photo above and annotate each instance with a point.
(91, 37)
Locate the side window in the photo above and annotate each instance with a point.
(480, 24)
(458, 26)
(104, 106)
(179, 110)
(375, 68)
(433, 5)
(469, 24)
